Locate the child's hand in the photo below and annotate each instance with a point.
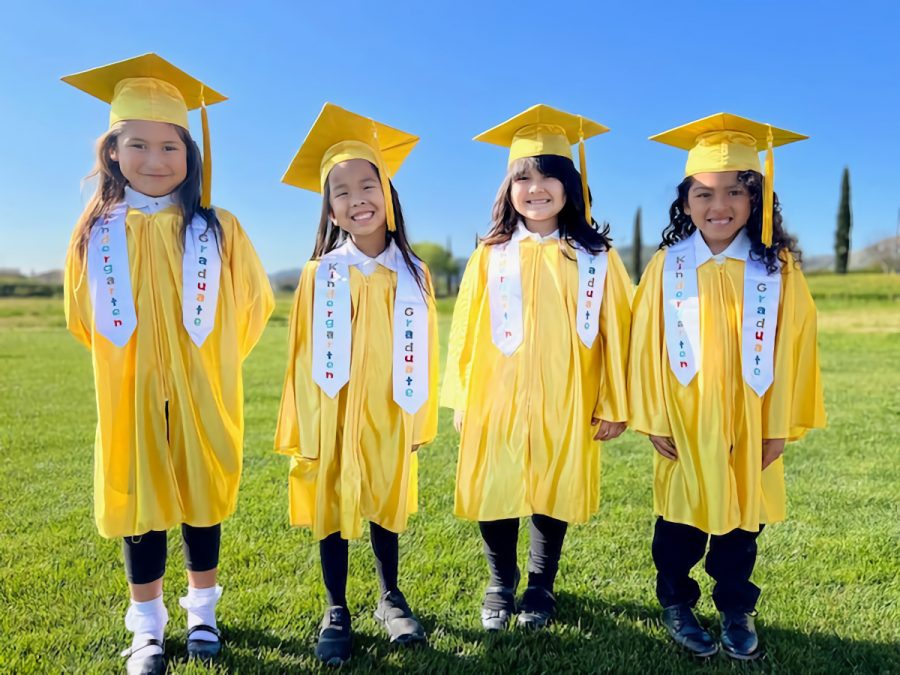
(665, 446)
(416, 446)
(772, 449)
(607, 430)
(458, 420)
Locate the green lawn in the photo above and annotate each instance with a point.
(830, 574)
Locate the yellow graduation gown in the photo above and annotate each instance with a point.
(717, 421)
(351, 455)
(526, 444)
(170, 424)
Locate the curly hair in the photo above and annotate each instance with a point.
(681, 226)
(573, 227)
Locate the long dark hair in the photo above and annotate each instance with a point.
(111, 188)
(330, 236)
(573, 227)
(681, 226)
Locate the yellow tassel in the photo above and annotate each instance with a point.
(385, 185)
(206, 186)
(582, 165)
(768, 193)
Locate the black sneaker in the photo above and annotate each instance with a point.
(335, 637)
(499, 606)
(537, 608)
(401, 624)
(685, 630)
(739, 638)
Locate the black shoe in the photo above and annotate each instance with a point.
(739, 639)
(498, 606)
(140, 662)
(401, 624)
(685, 630)
(204, 649)
(537, 608)
(335, 637)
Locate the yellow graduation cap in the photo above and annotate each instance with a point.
(339, 135)
(542, 130)
(725, 142)
(150, 88)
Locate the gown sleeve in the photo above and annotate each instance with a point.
(794, 403)
(287, 431)
(78, 313)
(615, 330)
(425, 420)
(462, 334)
(253, 292)
(648, 361)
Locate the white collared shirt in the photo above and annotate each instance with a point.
(368, 265)
(738, 249)
(147, 204)
(525, 233)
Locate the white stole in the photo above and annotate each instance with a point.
(332, 330)
(109, 279)
(681, 312)
(505, 292)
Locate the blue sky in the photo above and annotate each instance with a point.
(446, 71)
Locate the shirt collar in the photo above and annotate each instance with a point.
(738, 249)
(149, 205)
(523, 232)
(365, 264)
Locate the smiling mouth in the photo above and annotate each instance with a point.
(537, 202)
(363, 217)
(719, 221)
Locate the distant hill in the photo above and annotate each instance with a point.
(882, 256)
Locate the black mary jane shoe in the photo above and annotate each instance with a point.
(402, 626)
(335, 637)
(537, 608)
(204, 650)
(739, 638)
(143, 663)
(687, 632)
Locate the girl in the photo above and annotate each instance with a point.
(170, 297)
(536, 363)
(723, 372)
(352, 417)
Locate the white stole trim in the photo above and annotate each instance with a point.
(591, 281)
(200, 276)
(332, 333)
(505, 292)
(762, 292)
(109, 279)
(681, 311)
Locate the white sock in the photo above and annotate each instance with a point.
(200, 604)
(147, 620)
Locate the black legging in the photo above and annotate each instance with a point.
(333, 552)
(145, 555)
(500, 539)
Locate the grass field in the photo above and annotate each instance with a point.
(830, 575)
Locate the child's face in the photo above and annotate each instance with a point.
(719, 205)
(537, 197)
(151, 156)
(356, 198)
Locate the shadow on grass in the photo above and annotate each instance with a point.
(589, 635)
